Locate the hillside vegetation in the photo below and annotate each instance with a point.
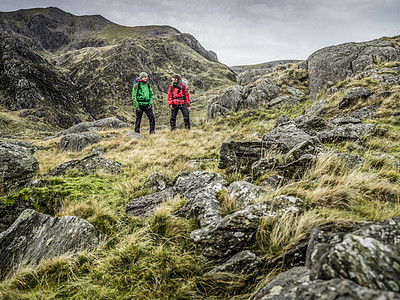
(154, 257)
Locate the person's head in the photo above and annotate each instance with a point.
(176, 78)
(143, 76)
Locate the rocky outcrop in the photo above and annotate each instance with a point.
(361, 263)
(336, 63)
(353, 94)
(243, 193)
(34, 237)
(17, 166)
(237, 98)
(222, 239)
(198, 187)
(88, 165)
(157, 182)
(77, 142)
(102, 124)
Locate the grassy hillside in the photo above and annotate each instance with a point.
(154, 258)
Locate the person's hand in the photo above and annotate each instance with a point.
(189, 109)
(171, 107)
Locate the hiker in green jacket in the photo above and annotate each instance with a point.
(143, 97)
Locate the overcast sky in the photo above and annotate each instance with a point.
(248, 32)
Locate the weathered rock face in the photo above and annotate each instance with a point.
(240, 155)
(17, 166)
(368, 256)
(77, 142)
(243, 193)
(230, 100)
(222, 239)
(88, 165)
(353, 94)
(35, 236)
(102, 124)
(157, 182)
(336, 63)
(9, 213)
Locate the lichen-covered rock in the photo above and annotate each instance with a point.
(222, 239)
(204, 207)
(9, 213)
(261, 94)
(34, 237)
(285, 137)
(364, 112)
(368, 256)
(317, 108)
(190, 184)
(17, 166)
(281, 101)
(144, 206)
(77, 142)
(349, 131)
(157, 182)
(336, 63)
(230, 100)
(311, 124)
(88, 165)
(244, 193)
(134, 135)
(353, 94)
(283, 282)
(244, 262)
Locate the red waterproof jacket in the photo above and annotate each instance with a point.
(178, 94)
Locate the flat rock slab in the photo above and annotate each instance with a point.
(35, 236)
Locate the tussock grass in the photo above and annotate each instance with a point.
(154, 257)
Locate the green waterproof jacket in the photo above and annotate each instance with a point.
(142, 94)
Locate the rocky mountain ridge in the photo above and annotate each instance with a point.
(62, 69)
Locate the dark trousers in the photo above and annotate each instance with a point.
(149, 112)
(185, 112)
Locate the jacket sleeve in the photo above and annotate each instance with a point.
(135, 104)
(151, 94)
(186, 92)
(170, 95)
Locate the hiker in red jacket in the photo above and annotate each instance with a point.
(178, 99)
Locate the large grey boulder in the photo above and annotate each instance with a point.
(77, 142)
(144, 206)
(34, 237)
(190, 184)
(9, 213)
(336, 63)
(102, 124)
(261, 94)
(204, 207)
(230, 100)
(352, 95)
(17, 166)
(368, 256)
(285, 137)
(348, 131)
(88, 165)
(222, 239)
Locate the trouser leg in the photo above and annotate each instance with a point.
(174, 112)
(152, 121)
(139, 114)
(185, 114)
